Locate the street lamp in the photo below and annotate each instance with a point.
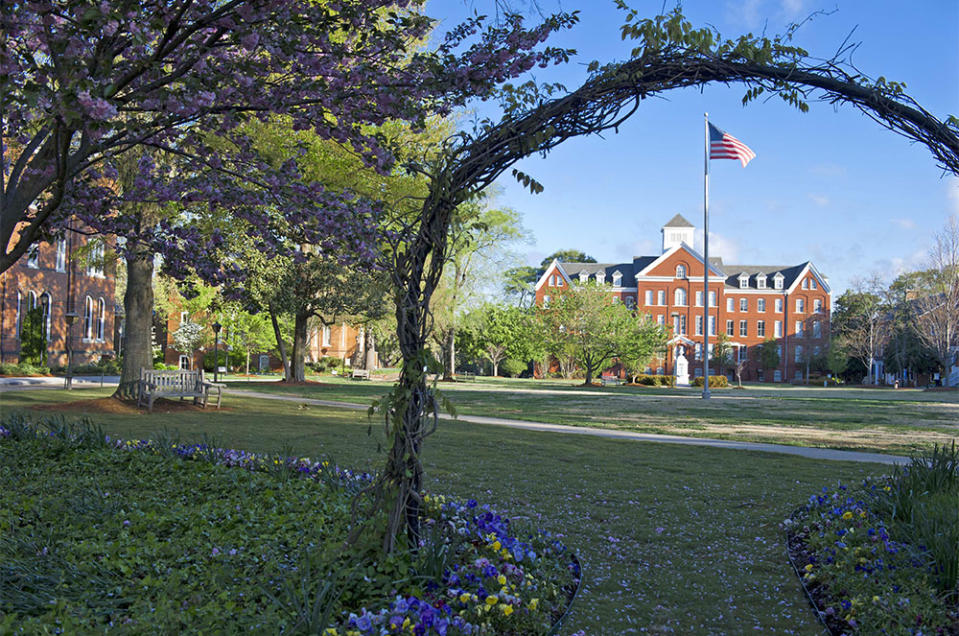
(70, 317)
(216, 350)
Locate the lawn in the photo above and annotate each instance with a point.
(672, 538)
(882, 420)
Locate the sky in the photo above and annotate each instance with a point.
(830, 186)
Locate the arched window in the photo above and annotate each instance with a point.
(679, 297)
(101, 315)
(88, 318)
(681, 272)
(31, 300)
(46, 303)
(19, 310)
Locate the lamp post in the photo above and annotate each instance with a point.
(70, 317)
(216, 350)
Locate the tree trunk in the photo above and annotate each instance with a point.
(280, 345)
(138, 307)
(247, 362)
(449, 369)
(298, 370)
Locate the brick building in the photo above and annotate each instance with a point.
(55, 277)
(750, 304)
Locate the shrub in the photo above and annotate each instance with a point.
(24, 368)
(715, 382)
(513, 367)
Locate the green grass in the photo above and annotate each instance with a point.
(881, 420)
(673, 538)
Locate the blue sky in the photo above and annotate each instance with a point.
(830, 186)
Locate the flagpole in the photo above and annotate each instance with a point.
(706, 261)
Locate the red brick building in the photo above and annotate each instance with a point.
(55, 277)
(749, 303)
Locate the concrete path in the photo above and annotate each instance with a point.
(826, 454)
(51, 382)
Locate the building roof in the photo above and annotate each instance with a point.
(573, 270)
(678, 221)
(789, 272)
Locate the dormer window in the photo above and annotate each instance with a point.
(33, 256)
(680, 271)
(583, 276)
(743, 281)
(778, 281)
(617, 279)
(761, 281)
(600, 277)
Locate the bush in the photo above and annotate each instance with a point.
(513, 367)
(325, 364)
(654, 380)
(715, 382)
(22, 369)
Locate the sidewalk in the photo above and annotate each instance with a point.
(826, 454)
(56, 382)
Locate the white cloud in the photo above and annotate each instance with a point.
(719, 245)
(745, 12)
(828, 170)
(792, 8)
(905, 224)
(952, 191)
(820, 200)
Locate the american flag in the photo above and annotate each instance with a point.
(722, 145)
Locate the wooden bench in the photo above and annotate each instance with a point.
(360, 374)
(609, 378)
(466, 376)
(182, 384)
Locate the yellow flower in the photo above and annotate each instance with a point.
(464, 597)
(809, 567)
(497, 545)
(501, 579)
(875, 599)
(533, 603)
(507, 609)
(847, 514)
(406, 623)
(492, 600)
(330, 631)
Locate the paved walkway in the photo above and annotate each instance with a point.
(827, 454)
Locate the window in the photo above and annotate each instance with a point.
(798, 353)
(698, 353)
(743, 281)
(617, 279)
(743, 329)
(699, 299)
(712, 325)
(743, 352)
(779, 305)
(615, 300)
(680, 271)
(88, 318)
(805, 283)
(699, 326)
(798, 374)
(660, 371)
(816, 350)
(812, 283)
(101, 318)
(698, 371)
(184, 317)
(743, 304)
(730, 305)
(17, 324)
(661, 297)
(816, 329)
(62, 254)
(800, 305)
(761, 328)
(730, 328)
(559, 281)
(682, 325)
(546, 300)
(778, 281)
(95, 260)
(679, 297)
(761, 281)
(45, 304)
(630, 302)
(33, 256)
(552, 281)
(601, 277)
(778, 329)
(661, 320)
(817, 306)
(777, 375)
(799, 331)
(779, 351)
(712, 299)
(326, 336)
(583, 276)
(184, 362)
(760, 304)
(649, 297)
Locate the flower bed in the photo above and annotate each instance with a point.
(881, 557)
(99, 534)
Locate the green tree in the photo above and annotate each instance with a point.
(189, 337)
(862, 322)
(643, 340)
(836, 358)
(500, 333)
(518, 284)
(722, 354)
(767, 355)
(565, 256)
(33, 339)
